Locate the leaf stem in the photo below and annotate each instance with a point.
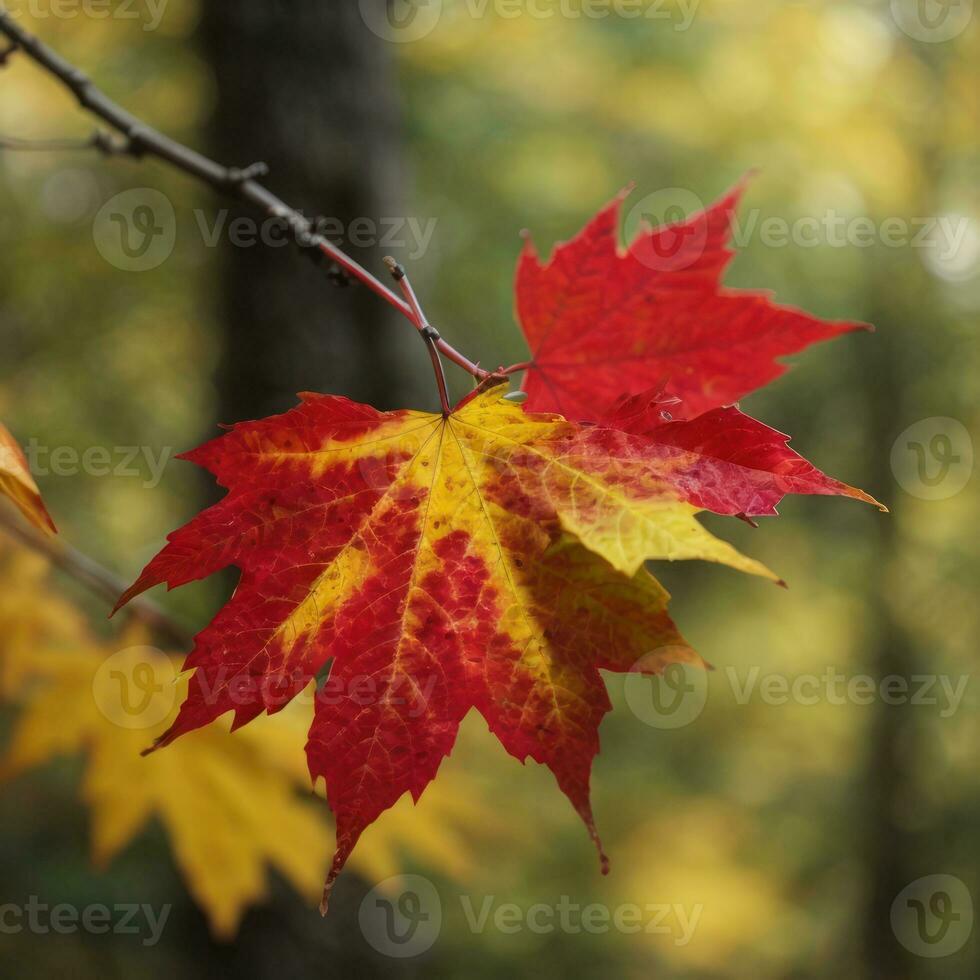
(429, 333)
(141, 140)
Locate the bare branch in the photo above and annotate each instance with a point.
(94, 577)
(100, 140)
(142, 140)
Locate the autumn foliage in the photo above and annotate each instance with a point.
(494, 558)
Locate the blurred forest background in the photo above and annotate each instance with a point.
(795, 827)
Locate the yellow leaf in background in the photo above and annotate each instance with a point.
(206, 796)
(230, 805)
(17, 483)
(442, 831)
(33, 618)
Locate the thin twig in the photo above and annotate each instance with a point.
(42, 145)
(429, 333)
(142, 140)
(94, 577)
(100, 140)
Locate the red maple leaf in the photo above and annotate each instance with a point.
(603, 321)
(486, 557)
(723, 461)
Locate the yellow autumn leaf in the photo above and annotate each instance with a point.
(80, 697)
(17, 484)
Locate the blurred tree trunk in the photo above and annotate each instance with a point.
(308, 89)
(899, 845)
(893, 751)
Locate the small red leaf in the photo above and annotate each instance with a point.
(602, 321)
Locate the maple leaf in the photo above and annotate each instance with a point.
(490, 559)
(204, 790)
(18, 485)
(724, 461)
(602, 321)
(72, 701)
(487, 557)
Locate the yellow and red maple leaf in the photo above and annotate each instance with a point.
(491, 559)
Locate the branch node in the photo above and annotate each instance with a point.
(135, 140)
(110, 145)
(78, 82)
(7, 52)
(397, 271)
(237, 176)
